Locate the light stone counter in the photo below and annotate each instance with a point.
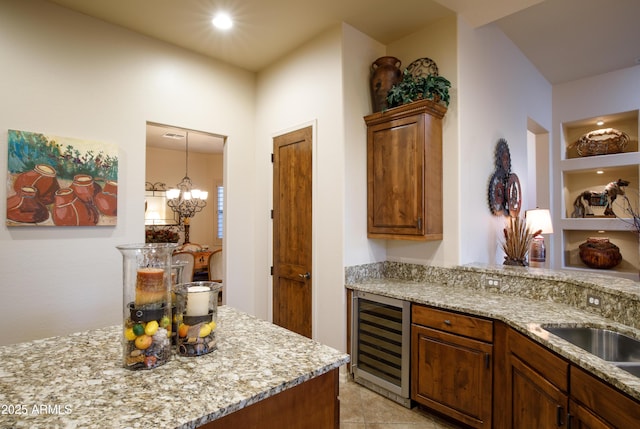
(462, 289)
(77, 381)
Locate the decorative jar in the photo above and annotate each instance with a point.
(385, 72)
(599, 252)
(197, 317)
(69, 210)
(43, 178)
(146, 339)
(26, 207)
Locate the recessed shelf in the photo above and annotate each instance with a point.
(626, 122)
(626, 241)
(583, 173)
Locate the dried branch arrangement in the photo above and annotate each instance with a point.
(517, 239)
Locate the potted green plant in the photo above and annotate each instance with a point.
(412, 88)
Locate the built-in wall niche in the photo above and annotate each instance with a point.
(626, 122)
(626, 242)
(591, 170)
(577, 182)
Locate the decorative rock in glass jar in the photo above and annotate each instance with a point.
(196, 317)
(146, 338)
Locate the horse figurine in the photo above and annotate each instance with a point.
(582, 204)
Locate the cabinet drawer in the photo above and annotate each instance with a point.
(455, 323)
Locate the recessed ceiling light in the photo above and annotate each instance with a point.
(222, 21)
(599, 172)
(600, 123)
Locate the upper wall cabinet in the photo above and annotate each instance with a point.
(404, 172)
(595, 155)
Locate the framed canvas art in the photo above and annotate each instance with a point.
(60, 181)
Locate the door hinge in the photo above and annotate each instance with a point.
(271, 213)
(273, 157)
(420, 223)
(271, 270)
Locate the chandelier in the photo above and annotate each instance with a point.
(184, 200)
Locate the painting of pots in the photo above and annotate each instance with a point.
(60, 181)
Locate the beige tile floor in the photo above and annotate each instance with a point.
(361, 408)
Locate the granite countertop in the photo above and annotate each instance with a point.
(523, 314)
(78, 380)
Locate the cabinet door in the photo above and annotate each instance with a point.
(583, 418)
(452, 375)
(608, 404)
(395, 163)
(535, 402)
(537, 385)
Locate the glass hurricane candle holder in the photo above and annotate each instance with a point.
(196, 317)
(146, 339)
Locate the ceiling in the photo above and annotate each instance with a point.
(175, 138)
(564, 39)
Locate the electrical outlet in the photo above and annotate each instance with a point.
(490, 282)
(594, 301)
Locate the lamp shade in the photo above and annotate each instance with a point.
(539, 219)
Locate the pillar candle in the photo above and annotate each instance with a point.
(198, 300)
(150, 286)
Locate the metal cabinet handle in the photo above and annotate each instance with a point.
(447, 322)
(305, 276)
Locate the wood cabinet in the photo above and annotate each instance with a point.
(537, 385)
(404, 172)
(313, 403)
(451, 364)
(545, 391)
(596, 405)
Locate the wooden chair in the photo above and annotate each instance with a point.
(188, 259)
(215, 270)
(215, 266)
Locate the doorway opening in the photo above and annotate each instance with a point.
(168, 162)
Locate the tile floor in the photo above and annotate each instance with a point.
(361, 408)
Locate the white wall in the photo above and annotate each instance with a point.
(69, 75)
(498, 91)
(305, 88)
(359, 52)
(436, 41)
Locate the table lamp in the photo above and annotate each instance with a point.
(538, 221)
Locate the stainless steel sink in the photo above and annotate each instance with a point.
(630, 367)
(611, 346)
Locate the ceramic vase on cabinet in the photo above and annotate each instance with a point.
(385, 72)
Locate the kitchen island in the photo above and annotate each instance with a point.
(261, 375)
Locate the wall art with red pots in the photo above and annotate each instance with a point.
(61, 181)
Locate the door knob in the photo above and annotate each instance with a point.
(305, 276)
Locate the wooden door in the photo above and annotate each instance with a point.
(292, 220)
